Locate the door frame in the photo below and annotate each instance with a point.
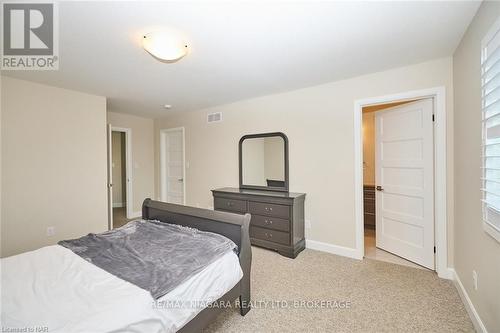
(438, 94)
(163, 133)
(128, 170)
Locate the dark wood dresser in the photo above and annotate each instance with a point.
(277, 217)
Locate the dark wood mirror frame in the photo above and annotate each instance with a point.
(240, 153)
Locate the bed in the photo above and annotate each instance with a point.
(53, 289)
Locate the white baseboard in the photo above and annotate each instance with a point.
(448, 274)
(118, 204)
(135, 215)
(334, 249)
(471, 310)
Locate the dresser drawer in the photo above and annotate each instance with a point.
(270, 222)
(233, 205)
(277, 219)
(270, 235)
(266, 209)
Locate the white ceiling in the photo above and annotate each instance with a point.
(241, 50)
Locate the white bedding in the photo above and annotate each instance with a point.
(55, 288)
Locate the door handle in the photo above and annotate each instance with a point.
(181, 179)
(379, 188)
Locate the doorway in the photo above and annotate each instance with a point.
(172, 166)
(401, 208)
(397, 168)
(119, 175)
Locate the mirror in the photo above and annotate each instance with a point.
(264, 162)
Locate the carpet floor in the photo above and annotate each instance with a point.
(364, 296)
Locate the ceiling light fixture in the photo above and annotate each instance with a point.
(164, 46)
(167, 106)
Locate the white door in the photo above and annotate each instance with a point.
(404, 177)
(110, 178)
(172, 165)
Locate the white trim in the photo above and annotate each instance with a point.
(471, 310)
(449, 274)
(488, 227)
(118, 204)
(440, 208)
(331, 248)
(162, 168)
(128, 167)
(491, 231)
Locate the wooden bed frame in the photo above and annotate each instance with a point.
(233, 226)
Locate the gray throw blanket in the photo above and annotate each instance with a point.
(154, 256)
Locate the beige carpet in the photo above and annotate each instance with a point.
(384, 297)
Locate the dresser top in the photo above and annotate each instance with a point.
(274, 194)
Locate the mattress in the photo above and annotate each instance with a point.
(54, 289)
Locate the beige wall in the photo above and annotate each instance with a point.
(474, 249)
(118, 169)
(142, 156)
(53, 165)
(319, 122)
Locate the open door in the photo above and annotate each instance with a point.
(110, 178)
(404, 177)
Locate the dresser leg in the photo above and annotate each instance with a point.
(299, 247)
(288, 254)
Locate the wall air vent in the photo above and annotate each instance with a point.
(214, 117)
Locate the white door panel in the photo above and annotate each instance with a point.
(172, 166)
(405, 174)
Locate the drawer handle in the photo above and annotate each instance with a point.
(268, 222)
(230, 204)
(269, 235)
(269, 209)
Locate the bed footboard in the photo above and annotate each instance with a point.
(233, 226)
